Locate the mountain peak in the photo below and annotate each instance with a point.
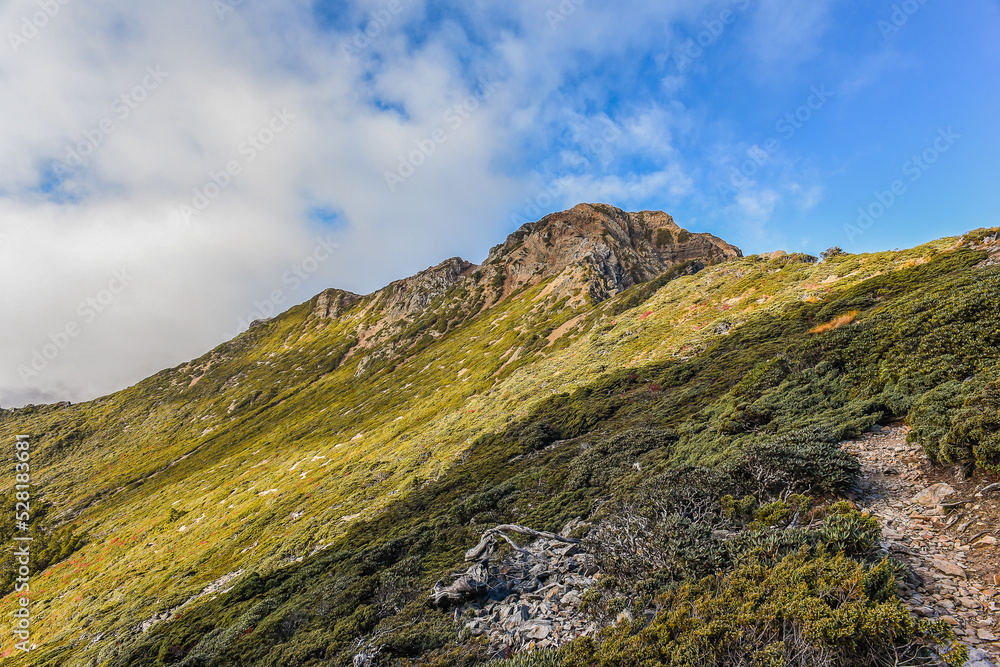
(617, 249)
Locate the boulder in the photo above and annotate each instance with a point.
(933, 495)
(978, 658)
(949, 568)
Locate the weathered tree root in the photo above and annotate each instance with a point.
(487, 542)
(470, 585)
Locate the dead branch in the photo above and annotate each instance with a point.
(487, 542)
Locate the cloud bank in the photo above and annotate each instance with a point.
(174, 170)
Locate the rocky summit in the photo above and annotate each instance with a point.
(614, 441)
(591, 252)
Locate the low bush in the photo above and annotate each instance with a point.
(808, 610)
(975, 428)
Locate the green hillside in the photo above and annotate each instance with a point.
(328, 468)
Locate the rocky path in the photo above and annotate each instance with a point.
(944, 528)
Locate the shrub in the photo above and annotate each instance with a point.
(976, 428)
(958, 421)
(807, 610)
(849, 531)
(543, 658)
(533, 436)
(802, 462)
(611, 457)
(633, 548)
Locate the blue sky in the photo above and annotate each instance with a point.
(236, 157)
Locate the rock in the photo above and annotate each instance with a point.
(624, 617)
(539, 632)
(616, 250)
(949, 568)
(978, 658)
(933, 495)
(988, 541)
(986, 635)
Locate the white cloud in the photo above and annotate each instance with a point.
(789, 31)
(756, 206)
(221, 82)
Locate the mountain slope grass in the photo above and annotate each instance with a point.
(341, 483)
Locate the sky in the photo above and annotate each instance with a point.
(172, 171)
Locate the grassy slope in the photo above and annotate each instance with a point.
(336, 448)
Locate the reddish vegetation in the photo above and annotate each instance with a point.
(843, 320)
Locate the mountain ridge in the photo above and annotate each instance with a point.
(339, 482)
(592, 249)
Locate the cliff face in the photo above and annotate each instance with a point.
(600, 247)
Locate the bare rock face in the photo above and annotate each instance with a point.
(606, 249)
(412, 295)
(333, 303)
(526, 599)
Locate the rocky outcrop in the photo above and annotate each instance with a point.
(333, 303)
(608, 250)
(531, 598)
(407, 297)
